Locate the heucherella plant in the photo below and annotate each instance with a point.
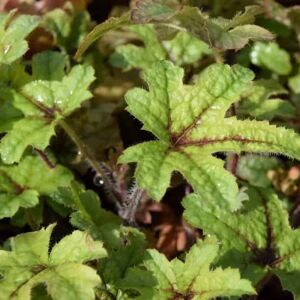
(216, 92)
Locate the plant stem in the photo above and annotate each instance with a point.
(84, 150)
(135, 198)
(218, 56)
(232, 163)
(43, 156)
(264, 281)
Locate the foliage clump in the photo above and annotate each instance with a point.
(212, 181)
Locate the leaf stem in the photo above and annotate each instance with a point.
(84, 150)
(43, 156)
(260, 285)
(218, 55)
(264, 280)
(134, 198)
(232, 163)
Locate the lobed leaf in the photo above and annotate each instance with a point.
(260, 233)
(193, 277)
(13, 31)
(29, 264)
(68, 28)
(22, 184)
(43, 103)
(188, 121)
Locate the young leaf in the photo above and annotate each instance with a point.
(193, 277)
(99, 30)
(22, 184)
(186, 49)
(13, 32)
(29, 264)
(260, 233)
(44, 103)
(259, 101)
(88, 214)
(131, 56)
(271, 57)
(125, 245)
(67, 28)
(188, 121)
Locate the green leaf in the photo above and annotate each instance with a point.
(259, 101)
(99, 30)
(22, 184)
(13, 74)
(294, 83)
(126, 248)
(88, 214)
(188, 121)
(9, 115)
(29, 264)
(260, 232)
(254, 168)
(68, 28)
(48, 65)
(131, 56)
(141, 281)
(186, 49)
(44, 103)
(290, 282)
(13, 32)
(156, 10)
(194, 277)
(271, 57)
(25, 132)
(223, 33)
(183, 49)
